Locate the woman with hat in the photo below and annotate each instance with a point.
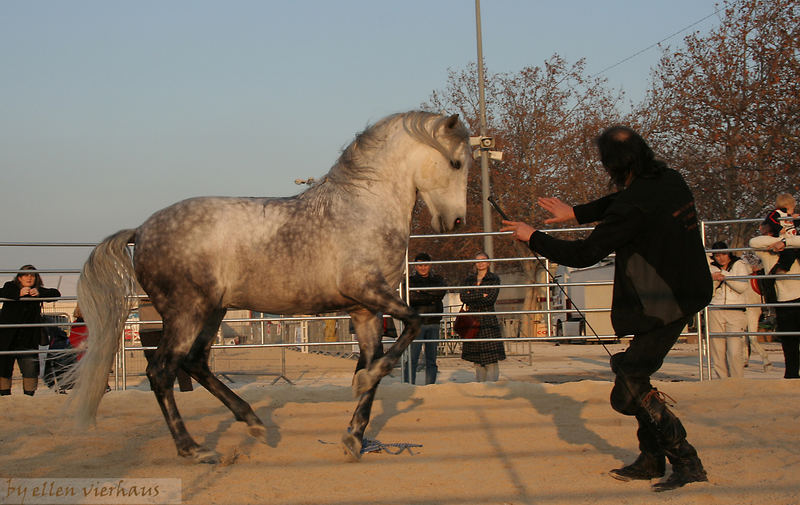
(727, 351)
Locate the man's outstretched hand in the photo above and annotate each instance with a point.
(561, 211)
(522, 231)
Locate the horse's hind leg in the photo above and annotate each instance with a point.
(367, 328)
(180, 337)
(196, 364)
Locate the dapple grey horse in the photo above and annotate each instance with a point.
(339, 245)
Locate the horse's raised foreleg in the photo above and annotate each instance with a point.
(369, 377)
(367, 327)
(196, 364)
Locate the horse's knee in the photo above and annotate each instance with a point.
(159, 376)
(414, 323)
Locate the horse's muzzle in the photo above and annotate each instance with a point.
(442, 224)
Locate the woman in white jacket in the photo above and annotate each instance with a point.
(727, 351)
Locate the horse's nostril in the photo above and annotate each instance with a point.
(458, 222)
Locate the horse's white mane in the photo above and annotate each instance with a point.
(354, 168)
(353, 165)
(416, 124)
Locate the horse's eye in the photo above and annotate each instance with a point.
(455, 164)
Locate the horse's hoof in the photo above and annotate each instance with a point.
(352, 447)
(362, 383)
(203, 455)
(259, 432)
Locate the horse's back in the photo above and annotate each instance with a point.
(257, 253)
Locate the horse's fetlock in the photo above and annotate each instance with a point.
(259, 432)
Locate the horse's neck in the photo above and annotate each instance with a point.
(391, 191)
(399, 163)
(390, 205)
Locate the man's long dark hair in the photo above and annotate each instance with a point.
(623, 151)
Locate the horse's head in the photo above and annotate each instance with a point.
(441, 178)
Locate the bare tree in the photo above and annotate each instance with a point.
(724, 108)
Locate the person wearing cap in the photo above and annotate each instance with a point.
(661, 280)
(728, 323)
(768, 247)
(425, 302)
(781, 222)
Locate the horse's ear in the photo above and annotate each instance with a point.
(452, 121)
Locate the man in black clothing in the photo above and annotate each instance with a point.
(425, 302)
(661, 280)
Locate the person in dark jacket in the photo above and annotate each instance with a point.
(661, 280)
(57, 365)
(19, 310)
(485, 355)
(425, 302)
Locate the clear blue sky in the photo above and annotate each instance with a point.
(110, 111)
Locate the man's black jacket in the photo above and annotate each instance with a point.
(426, 302)
(661, 272)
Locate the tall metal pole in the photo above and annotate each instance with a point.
(488, 244)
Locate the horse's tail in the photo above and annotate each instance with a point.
(104, 287)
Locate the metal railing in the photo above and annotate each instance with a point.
(548, 311)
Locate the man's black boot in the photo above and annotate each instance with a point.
(647, 466)
(686, 468)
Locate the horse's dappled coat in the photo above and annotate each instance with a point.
(339, 245)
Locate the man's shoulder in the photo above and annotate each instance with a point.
(438, 279)
(742, 267)
(667, 179)
(430, 280)
(762, 241)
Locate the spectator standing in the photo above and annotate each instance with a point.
(485, 355)
(783, 217)
(754, 297)
(787, 291)
(57, 365)
(661, 279)
(78, 333)
(425, 302)
(727, 351)
(20, 310)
